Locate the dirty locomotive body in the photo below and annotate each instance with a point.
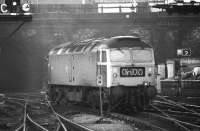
(120, 68)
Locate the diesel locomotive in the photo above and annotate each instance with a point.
(116, 71)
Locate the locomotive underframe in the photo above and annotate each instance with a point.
(136, 97)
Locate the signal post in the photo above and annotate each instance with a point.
(182, 53)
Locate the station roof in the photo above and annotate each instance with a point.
(92, 45)
(83, 1)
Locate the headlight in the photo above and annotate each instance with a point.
(115, 75)
(150, 69)
(26, 7)
(146, 83)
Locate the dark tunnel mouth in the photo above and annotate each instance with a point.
(14, 67)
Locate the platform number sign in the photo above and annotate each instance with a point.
(184, 52)
(187, 52)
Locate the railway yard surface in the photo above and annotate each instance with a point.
(119, 60)
(33, 112)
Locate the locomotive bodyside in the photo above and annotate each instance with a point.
(73, 69)
(122, 66)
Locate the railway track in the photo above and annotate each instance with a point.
(40, 116)
(165, 115)
(139, 123)
(147, 121)
(189, 100)
(10, 114)
(67, 124)
(184, 116)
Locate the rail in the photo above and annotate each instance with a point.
(169, 114)
(36, 124)
(74, 125)
(60, 122)
(66, 122)
(141, 124)
(186, 118)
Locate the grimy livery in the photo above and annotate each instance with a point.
(122, 66)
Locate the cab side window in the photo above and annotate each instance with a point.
(104, 57)
(101, 56)
(98, 56)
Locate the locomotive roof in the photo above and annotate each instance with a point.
(92, 45)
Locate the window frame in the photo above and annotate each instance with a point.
(100, 56)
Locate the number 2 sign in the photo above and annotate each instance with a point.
(184, 52)
(187, 52)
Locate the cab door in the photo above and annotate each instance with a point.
(72, 70)
(102, 68)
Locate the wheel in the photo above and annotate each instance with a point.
(58, 96)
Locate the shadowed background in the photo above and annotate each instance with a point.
(24, 45)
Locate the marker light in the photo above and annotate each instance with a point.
(179, 52)
(146, 83)
(115, 75)
(150, 69)
(14, 3)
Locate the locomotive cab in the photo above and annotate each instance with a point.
(127, 66)
(128, 73)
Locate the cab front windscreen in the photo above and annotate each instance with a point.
(131, 55)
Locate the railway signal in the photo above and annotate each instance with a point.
(12, 5)
(26, 7)
(184, 52)
(15, 10)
